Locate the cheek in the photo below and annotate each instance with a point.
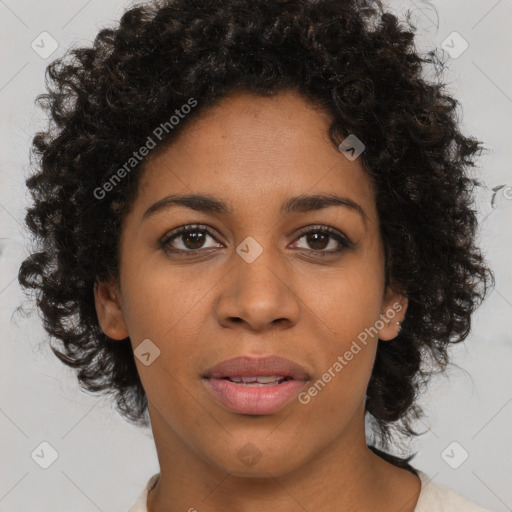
(339, 389)
(168, 307)
(161, 301)
(349, 306)
(347, 301)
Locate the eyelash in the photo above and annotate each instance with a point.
(344, 242)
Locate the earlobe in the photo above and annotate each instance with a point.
(392, 315)
(109, 311)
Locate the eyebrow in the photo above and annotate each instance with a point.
(210, 204)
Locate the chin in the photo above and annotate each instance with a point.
(253, 459)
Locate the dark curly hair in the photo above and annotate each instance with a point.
(351, 58)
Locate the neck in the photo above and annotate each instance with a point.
(345, 475)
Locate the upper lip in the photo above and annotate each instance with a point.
(246, 366)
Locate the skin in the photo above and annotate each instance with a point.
(254, 153)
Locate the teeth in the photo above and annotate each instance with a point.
(271, 379)
(268, 380)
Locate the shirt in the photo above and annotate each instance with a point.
(433, 498)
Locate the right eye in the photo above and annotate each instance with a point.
(190, 239)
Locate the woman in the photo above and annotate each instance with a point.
(256, 224)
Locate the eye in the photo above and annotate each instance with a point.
(190, 240)
(319, 238)
(187, 239)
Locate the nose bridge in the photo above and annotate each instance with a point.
(259, 266)
(259, 288)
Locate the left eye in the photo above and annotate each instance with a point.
(320, 238)
(191, 239)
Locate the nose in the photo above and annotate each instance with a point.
(259, 295)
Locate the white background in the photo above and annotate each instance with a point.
(103, 463)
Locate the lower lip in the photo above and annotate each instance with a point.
(267, 399)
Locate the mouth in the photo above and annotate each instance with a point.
(259, 381)
(255, 385)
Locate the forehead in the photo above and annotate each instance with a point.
(253, 150)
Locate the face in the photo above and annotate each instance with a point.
(253, 273)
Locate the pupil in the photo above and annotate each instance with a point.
(313, 239)
(195, 238)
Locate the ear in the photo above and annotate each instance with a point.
(394, 307)
(107, 299)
